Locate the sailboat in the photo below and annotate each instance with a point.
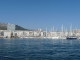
(71, 35)
(54, 34)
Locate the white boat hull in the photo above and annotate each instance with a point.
(55, 37)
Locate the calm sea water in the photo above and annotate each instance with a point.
(39, 49)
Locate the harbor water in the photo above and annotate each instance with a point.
(39, 49)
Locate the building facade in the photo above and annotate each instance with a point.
(10, 27)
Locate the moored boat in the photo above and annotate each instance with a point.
(55, 37)
(72, 37)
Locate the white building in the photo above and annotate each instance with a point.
(7, 34)
(19, 33)
(41, 34)
(35, 34)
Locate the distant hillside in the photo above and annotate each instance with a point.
(3, 26)
(20, 28)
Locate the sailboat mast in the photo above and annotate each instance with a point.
(71, 29)
(62, 30)
(46, 32)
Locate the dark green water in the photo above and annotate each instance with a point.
(39, 49)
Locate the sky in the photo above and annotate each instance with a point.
(34, 14)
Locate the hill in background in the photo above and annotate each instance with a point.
(3, 26)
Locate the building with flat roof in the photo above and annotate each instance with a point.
(10, 27)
